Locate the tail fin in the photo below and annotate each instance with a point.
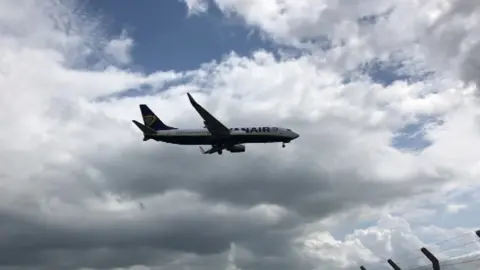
(151, 120)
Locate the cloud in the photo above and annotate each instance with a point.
(80, 190)
(120, 49)
(196, 6)
(390, 238)
(455, 207)
(431, 35)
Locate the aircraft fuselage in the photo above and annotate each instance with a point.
(214, 133)
(237, 136)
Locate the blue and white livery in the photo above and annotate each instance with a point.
(215, 134)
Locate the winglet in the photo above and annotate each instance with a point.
(191, 99)
(146, 130)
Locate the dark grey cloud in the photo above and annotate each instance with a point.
(35, 240)
(161, 231)
(141, 171)
(301, 186)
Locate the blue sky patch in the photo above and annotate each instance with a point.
(167, 39)
(388, 72)
(412, 136)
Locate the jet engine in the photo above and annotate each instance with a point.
(238, 148)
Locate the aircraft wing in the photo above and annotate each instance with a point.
(216, 128)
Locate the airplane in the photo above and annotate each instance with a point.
(214, 133)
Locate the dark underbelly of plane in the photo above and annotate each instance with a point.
(204, 140)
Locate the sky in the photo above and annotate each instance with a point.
(384, 95)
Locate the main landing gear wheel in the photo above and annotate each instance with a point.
(220, 152)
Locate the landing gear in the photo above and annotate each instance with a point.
(283, 145)
(219, 152)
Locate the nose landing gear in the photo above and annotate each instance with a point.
(283, 145)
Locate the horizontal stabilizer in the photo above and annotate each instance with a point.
(146, 130)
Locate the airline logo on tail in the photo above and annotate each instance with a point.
(149, 120)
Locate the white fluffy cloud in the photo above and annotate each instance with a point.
(392, 238)
(80, 190)
(120, 49)
(442, 35)
(196, 6)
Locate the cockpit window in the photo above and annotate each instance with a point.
(289, 129)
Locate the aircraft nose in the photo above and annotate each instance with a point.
(295, 135)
